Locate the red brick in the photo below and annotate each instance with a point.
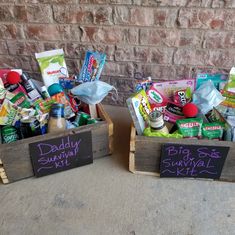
(13, 13)
(133, 16)
(221, 39)
(191, 57)
(206, 18)
(109, 35)
(11, 31)
(72, 14)
(162, 55)
(165, 17)
(9, 62)
(39, 13)
(118, 69)
(3, 48)
(24, 48)
(102, 15)
(106, 1)
(46, 32)
(221, 58)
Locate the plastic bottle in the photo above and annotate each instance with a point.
(57, 121)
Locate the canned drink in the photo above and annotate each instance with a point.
(9, 134)
(93, 120)
(81, 119)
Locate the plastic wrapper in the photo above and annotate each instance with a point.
(206, 97)
(8, 113)
(190, 127)
(212, 130)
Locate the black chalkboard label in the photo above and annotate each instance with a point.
(60, 154)
(195, 161)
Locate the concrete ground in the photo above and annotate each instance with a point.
(104, 198)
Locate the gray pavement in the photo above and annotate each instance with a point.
(104, 198)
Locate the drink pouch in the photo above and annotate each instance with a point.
(173, 112)
(212, 130)
(7, 113)
(190, 127)
(52, 66)
(167, 88)
(92, 67)
(61, 98)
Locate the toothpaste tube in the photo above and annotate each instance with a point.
(52, 66)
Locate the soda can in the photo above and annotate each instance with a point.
(93, 120)
(81, 119)
(9, 134)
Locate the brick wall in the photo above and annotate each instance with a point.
(166, 39)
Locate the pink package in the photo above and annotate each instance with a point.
(168, 88)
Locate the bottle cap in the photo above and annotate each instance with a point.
(55, 89)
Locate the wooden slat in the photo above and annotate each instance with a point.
(105, 116)
(147, 152)
(16, 159)
(132, 139)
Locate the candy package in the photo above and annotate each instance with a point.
(92, 67)
(183, 97)
(139, 108)
(230, 86)
(190, 127)
(143, 84)
(168, 88)
(173, 112)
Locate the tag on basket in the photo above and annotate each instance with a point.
(62, 153)
(196, 161)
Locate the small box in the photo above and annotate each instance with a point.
(15, 162)
(145, 154)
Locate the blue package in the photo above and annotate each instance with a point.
(216, 79)
(92, 67)
(66, 83)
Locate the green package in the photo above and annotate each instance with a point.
(190, 127)
(212, 130)
(21, 100)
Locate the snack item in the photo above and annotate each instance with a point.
(216, 79)
(212, 130)
(143, 84)
(45, 94)
(190, 128)
(155, 97)
(67, 83)
(9, 134)
(52, 66)
(173, 112)
(182, 97)
(21, 100)
(7, 113)
(139, 108)
(92, 66)
(168, 88)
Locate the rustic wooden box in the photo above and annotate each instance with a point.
(15, 162)
(145, 152)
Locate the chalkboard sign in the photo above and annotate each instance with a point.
(59, 154)
(195, 161)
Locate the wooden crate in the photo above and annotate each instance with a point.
(15, 162)
(145, 152)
